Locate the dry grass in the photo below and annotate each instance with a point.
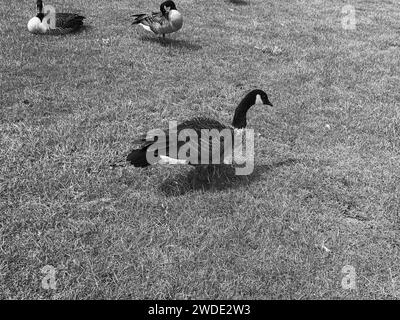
(327, 161)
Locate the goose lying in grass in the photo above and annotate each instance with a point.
(168, 20)
(47, 21)
(161, 148)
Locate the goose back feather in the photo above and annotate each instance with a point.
(162, 22)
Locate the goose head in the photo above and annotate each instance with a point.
(166, 7)
(256, 96)
(169, 11)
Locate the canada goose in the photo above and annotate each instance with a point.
(47, 21)
(168, 20)
(139, 157)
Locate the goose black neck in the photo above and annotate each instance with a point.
(239, 119)
(39, 5)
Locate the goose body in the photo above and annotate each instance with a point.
(202, 144)
(167, 20)
(63, 22)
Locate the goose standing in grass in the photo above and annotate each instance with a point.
(139, 157)
(168, 20)
(55, 23)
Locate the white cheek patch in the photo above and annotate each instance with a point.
(258, 100)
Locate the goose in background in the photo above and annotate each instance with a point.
(47, 21)
(167, 20)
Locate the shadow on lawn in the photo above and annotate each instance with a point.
(216, 178)
(57, 33)
(239, 2)
(84, 29)
(172, 42)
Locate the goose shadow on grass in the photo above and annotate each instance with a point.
(58, 33)
(216, 178)
(83, 29)
(167, 42)
(239, 2)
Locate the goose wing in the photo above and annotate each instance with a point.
(211, 138)
(169, 24)
(159, 142)
(161, 26)
(147, 18)
(157, 22)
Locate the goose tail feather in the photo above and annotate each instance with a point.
(138, 158)
(138, 18)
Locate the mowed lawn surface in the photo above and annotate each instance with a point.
(324, 193)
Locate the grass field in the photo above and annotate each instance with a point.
(325, 192)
